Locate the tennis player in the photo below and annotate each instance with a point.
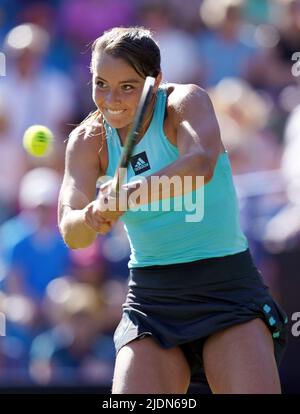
(197, 308)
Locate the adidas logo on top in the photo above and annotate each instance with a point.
(140, 163)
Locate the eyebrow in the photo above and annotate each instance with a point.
(123, 81)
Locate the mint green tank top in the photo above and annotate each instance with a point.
(163, 232)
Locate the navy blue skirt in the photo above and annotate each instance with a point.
(183, 304)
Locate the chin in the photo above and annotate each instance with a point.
(116, 123)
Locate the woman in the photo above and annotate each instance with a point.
(195, 299)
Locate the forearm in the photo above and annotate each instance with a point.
(75, 232)
(188, 165)
(186, 174)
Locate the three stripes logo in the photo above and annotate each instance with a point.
(140, 163)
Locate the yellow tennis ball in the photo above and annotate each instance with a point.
(38, 140)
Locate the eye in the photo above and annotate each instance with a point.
(100, 84)
(127, 87)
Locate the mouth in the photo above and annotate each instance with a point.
(114, 112)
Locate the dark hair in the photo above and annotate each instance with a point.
(133, 44)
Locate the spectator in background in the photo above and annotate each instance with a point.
(89, 265)
(283, 230)
(289, 29)
(75, 350)
(244, 115)
(34, 93)
(186, 14)
(39, 256)
(282, 241)
(79, 23)
(13, 163)
(45, 15)
(15, 229)
(179, 58)
(99, 16)
(15, 345)
(258, 11)
(271, 71)
(33, 254)
(7, 15)
(102, 265)
(223, 51)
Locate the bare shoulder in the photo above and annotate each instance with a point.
(86, 136)
(185, 98)
(86, 142)
(190, 109)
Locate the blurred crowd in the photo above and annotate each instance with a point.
(61, 306)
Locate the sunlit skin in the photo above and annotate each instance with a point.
(117, 87)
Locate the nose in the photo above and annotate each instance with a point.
(112, 97)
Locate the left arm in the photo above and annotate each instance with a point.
(197, 138)
(197, 135)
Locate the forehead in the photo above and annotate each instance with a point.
(110, 67)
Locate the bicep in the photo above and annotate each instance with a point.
(198, 129)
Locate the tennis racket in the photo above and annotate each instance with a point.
(133, 134)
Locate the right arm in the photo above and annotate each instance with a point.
(78, 218)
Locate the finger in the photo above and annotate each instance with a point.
(99, 226)
(94, 220)
(103, 217)
(104, 228)
(90, 222)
